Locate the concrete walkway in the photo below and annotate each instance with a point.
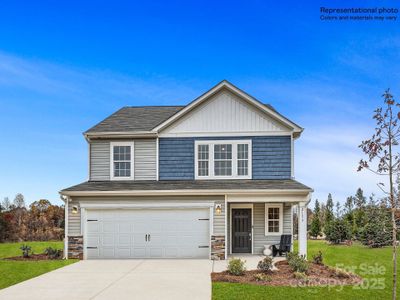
(119, 279)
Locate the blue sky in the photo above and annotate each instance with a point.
(66, 66)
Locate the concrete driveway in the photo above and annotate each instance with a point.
(119, 279)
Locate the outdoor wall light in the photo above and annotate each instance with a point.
(74, 209)
(218, 209)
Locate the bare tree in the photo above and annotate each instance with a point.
(381, 148)
(19, 200)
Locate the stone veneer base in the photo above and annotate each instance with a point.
(218, 247)
(75, 247)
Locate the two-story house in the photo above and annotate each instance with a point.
(205, 180)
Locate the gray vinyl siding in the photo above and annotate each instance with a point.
(100, 160)
(145, 160)
(271, 157)
(260, 239)
(74, 220)
(219, 220)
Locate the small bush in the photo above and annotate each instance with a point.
(53, 253)
(317, 258)
(236, 266)
(262, 277)
(300, 276)
(265, 264)
(340, 273)
(297, 262)
(26, 250)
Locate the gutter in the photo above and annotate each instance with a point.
(119, 134)
(302, 192)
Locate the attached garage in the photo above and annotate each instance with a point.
(147, 233)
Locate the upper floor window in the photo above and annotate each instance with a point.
(223, 159)
(121, 160)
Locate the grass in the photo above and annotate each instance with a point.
(375, 286)
(13, 272)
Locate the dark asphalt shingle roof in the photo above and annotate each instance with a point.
(275, 184)
(135, 118)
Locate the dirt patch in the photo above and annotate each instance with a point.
(284, 276)
(32, 257)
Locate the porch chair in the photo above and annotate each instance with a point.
(283, 246)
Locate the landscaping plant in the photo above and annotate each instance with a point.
(26, 250)
(265, 264)
(297, 262)
(236, 266)
(317, 258)
(53, 253)
(262, 277)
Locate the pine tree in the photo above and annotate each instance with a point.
(315, 227)
(329, 216)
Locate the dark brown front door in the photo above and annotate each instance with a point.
(241, 230)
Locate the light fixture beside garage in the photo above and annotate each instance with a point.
(218, 209)
(74, 209)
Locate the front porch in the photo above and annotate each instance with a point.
(255, 222)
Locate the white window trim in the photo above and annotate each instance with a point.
(112, 144)
(280, 206)
(234, 144)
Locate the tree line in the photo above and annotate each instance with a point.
(361, 219)
(40, 221)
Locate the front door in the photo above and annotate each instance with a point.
(241, 230)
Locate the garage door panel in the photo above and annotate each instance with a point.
(139, 252)
(107, 252)
(107, 240)
(173, 233)
(125, 227)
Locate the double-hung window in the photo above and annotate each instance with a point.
(121, 160)
(223, 159)
(273, 219)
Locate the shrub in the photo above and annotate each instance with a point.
(340, 273)
(337, 231)
(26, 250)
(297, 262)
(236, 266)
(262, 277)
(317, 258)
(53, 253)
(265, 264)
(301, 276)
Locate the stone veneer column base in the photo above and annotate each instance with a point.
(75, 247)
(218, 247)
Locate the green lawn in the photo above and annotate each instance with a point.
(12, 272)
(376, 286)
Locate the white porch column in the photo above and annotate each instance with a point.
(302, 233)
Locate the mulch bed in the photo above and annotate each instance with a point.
(32, 257)
(317, 275)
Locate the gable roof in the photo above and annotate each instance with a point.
(134, 119)
(232, 88)
(147, 120)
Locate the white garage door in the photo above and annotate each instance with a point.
(151, 233)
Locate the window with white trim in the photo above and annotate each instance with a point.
(223, 159)
(273, 219)
(121, 160)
